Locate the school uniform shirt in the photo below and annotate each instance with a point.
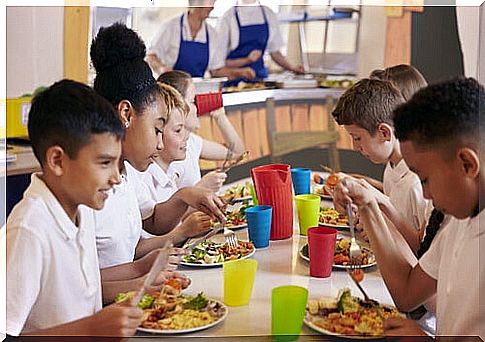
(248, 15)
(52, 268)
(454, 261)
(161, 185)
(405, 192)
(188, 170)
(119, 223)
(166, 43)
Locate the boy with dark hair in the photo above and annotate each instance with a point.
(53, 277)
(439, 133)
(365, 110)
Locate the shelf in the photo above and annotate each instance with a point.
(337, 14)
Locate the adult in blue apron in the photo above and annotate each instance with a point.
(251, 37)
(193, 56)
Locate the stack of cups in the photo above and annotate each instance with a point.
(259, 224)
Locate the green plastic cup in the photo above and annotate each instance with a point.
(308, 207)
(288, 305)
(238, 281)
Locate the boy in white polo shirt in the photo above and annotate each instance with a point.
(53, 277)
(439, 133)
(365, 110)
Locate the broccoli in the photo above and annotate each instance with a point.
(146, 302)
(346, 303)
(196, 303)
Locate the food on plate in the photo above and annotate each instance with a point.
(237, 192)
(318, 179)
(235, 215)
(358, 275)
(322, 191)
(331, 216)
(331, 180)
(329, 83)
(243, 86)
(210, 252)
(349, 315)
(342, 255)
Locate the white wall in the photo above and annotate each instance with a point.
(372, 41)
(468, 19)
(34, 48)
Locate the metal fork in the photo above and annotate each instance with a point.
(354, 251)
(229, 236)
(367, 299)
(229, 155)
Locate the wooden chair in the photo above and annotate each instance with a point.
(282, 143)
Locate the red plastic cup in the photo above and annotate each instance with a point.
(208, 102)
(321, 248)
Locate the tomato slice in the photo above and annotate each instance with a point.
(358, 275)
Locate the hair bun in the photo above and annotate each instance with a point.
(114, 45)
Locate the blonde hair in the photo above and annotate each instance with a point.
(172, 99)
(406, 78)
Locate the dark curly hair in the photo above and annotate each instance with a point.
(367, 104)
(442, 113)
(117, 54)
(67, 114)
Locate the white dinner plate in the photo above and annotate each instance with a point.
(337, 226)
(241, 226)
(186, 331)
(216, 264)
(308, 322)
(371, 258)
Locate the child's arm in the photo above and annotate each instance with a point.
(167, 215)
(409, 286)
(215, 151)
(114, 320)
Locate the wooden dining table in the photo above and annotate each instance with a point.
(279, 264)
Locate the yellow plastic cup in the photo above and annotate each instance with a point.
(308, 207)
(239, 278)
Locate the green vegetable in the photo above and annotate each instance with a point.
(346, 303)
(121, 297)
(196, 303)
(198, 253)
(146, 302)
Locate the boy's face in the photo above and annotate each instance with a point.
(143, 138)
(88, 178)
(374, 147)
(174, 138)
(444, 180)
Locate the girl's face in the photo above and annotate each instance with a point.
(174, 138)
(143, 136)
(191, 121)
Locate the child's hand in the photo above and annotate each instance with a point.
(196, 224)
(216, 113)
(402, 327)
(213, 180)
(203, 200)
(117, 320)
(355, 191)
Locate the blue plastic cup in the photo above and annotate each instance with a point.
(259, 224)
(301, 180)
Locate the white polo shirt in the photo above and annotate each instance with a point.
(248, 15)
(119, 223)
(454, 261)
(166, 43)
(405, 192)
(52, 268)
(161, 185)
(188, 169)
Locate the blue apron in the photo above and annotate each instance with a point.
(252, 37)
(193, 56)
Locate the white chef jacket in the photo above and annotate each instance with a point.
(166, 43)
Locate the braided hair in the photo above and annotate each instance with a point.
(434, 224)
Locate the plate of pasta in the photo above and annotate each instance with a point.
(212, 254)
(329, 217)
(180, 314)
(348, 316)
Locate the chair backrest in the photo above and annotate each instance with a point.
(282, 143)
